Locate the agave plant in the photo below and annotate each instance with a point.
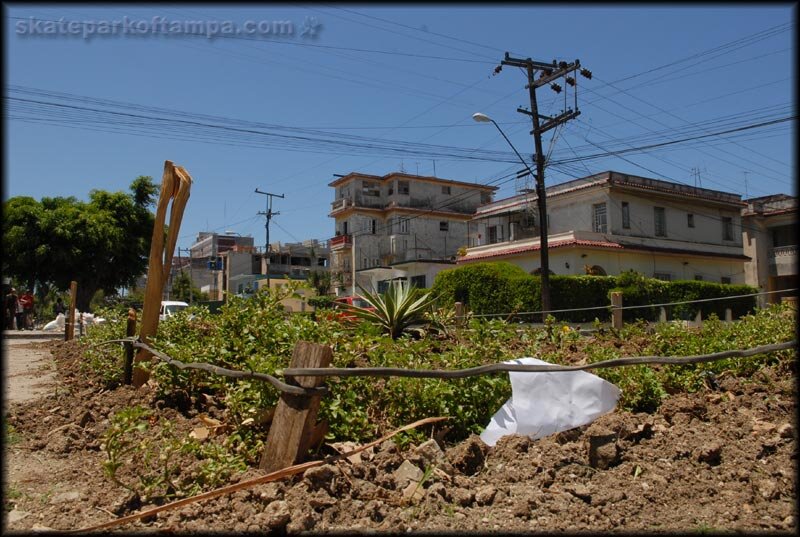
(396, 309)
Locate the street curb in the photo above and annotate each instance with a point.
(32, 334)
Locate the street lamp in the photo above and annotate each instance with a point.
(540, 198)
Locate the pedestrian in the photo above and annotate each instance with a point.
(60, 307)
(11, 308)
(27, 308)
(19, 313)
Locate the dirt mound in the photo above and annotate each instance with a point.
(713, 460)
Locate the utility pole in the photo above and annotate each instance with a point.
(549, 73)
(269, 214)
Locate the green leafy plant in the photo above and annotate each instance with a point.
(396, 309)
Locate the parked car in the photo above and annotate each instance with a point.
(171, 307)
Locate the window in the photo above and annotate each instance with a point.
(660, 221)
(393, 245)
(446, 190)
(344, 227)
(690, 220)
(495, 234)
(599, 218)
(666, 276)
(373, 225)
(402, 187)
(626, 215)
(369, 188)
(727, 228)
(403, 225)
(725, 279)
(444, 226)
(418, 281)
(391, 190)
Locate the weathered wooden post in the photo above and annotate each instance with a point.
(129, 332)
(459, 314)
(69, 328)
(662, 314)
(616, 313)
(294, 426)
(175, 186)
(728, 315)
(698, 320)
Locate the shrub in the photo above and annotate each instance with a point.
(486, 288)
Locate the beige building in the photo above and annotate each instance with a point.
(770, 241)
(398, 218)
(611, 222)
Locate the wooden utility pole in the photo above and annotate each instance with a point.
(549, 73)
(269, 214)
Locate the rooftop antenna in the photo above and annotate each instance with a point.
(745, 185)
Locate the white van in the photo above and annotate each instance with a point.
(171, 307)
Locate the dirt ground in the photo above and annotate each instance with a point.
(716, 460)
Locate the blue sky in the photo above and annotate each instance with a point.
(380, 88)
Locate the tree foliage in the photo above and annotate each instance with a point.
(183, 288)
(102, 243)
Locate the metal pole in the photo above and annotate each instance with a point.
(269, 214)
(353, 261)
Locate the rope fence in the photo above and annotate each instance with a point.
(611, 307)
(446, 374)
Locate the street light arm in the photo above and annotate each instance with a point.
(512, 147)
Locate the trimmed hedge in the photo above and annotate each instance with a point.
(500, 287)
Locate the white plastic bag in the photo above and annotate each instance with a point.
(542, 404)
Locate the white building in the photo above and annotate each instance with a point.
(770, 240)
(611, 222)
(399, 218)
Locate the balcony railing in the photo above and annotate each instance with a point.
(340, 241)
(780, 251)
(340, 204)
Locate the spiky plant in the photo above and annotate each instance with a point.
(396, 309)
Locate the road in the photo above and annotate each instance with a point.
(29, 368)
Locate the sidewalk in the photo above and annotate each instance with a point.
(33, 334)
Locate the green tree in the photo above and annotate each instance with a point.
(102, 244)
(320, 280)
(183, 288)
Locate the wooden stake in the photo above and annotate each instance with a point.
(293, 427)
(69, 329)
(129, 332)
(175, 185)
(459, 314)
(616, 314)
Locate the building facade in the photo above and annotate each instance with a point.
(206, 249)
(396, 218)
(611, 222)
(770, 241)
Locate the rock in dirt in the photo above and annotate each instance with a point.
(485, 495)
(462, 497)
(407, 472)
(468, 457)
(786, 430)
(321, 476)
(65, 497)
(276, 515)
(603, 449)
(710, 453)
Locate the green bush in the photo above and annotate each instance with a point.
(486, 288)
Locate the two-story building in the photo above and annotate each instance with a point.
(770, 241)
(611, 222)
(399, 219)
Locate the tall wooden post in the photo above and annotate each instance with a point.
(175, 185)
(294, 423)
(616, 313)
(69, 328)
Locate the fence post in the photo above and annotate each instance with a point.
(294, 424)
(459, 314)
(80, 326)
(129, 332)
(616, 313)
(728, 315)
(698, 320)
(69, 329)
(662, 314)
